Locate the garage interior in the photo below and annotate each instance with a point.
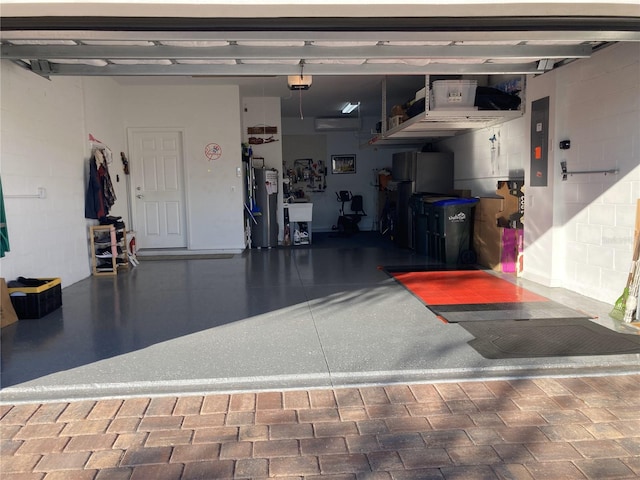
(316, 315)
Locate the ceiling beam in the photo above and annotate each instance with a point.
(541, 35)
(307, 52)
(540, 17)
(50, 69)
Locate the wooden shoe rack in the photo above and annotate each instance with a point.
(103, 237)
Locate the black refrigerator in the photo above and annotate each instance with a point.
(418, 172)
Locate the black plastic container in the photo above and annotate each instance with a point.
(36, 302)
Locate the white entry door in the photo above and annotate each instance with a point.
(157, 188)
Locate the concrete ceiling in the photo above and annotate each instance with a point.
(258, 45)
(325, 98)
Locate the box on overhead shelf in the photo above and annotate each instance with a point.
(422, 93)
(36, 302)
(395, 121)
(454, 93)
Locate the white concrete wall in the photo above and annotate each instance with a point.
(578, 234)
(103, 119)
(265, 111)
(43, 146)
(544, 253)
(598, 109)
(480, 163)
(206, 114)
(369, 159)
(44, 131)
(313, 146)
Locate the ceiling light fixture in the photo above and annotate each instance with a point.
(350, 107)
(546, 64)
(299, 82)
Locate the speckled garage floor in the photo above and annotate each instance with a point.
(325, 316)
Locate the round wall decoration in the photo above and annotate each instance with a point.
(213, 151)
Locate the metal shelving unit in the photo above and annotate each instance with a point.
(439, 123)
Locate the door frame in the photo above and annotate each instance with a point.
(183, 170)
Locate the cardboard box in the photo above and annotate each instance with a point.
(464, 193)
(512, 215)
(383, 181)
(394, 121)
(487, 236)
(7, 312)
(497, 233)
(36, 302)
(496, 247)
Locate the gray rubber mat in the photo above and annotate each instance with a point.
(548, 338)
(505, 311)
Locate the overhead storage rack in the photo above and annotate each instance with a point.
(439, 123)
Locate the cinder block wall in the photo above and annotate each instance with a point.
(598, 105)
(578, 233)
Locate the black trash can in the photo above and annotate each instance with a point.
(419, 224)
(422, 206)
(450, 222)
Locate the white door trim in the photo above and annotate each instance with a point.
(131, 131)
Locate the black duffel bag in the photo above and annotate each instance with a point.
(488, 98)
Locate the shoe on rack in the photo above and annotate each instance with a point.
(102, 238)
(109, 220)
(115, 221)
(106, 253)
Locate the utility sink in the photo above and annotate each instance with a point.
(300, 212)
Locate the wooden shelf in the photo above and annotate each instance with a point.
(106, 236)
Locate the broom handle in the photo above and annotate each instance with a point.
(636, 253)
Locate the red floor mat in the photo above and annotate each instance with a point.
(454, 287)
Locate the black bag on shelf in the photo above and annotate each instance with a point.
(488, 98)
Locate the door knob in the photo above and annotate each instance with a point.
(139, 196)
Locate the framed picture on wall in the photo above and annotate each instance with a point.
(343, 164)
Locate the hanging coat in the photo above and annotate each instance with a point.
(93, 204)
(108, 192)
